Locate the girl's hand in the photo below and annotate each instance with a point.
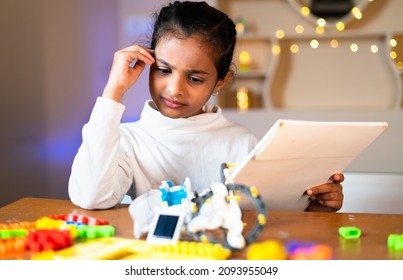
(127, 66)
(327, 197)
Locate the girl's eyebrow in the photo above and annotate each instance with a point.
(191, 71)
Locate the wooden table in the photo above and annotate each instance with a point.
(316, 227)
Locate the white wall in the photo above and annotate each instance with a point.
(373, 193)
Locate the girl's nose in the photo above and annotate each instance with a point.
(175, 86)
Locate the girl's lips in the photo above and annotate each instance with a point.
(171, 103)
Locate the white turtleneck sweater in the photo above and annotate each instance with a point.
(117, 158)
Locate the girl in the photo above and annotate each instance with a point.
(179, 133)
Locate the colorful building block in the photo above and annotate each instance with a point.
(308, 251)
(9, 233)
(87, 220)
(266, 250)
(12, 245)
(349, 232)
(52, 239)
(133, 249)
(85, 231)
(48, 223)
(20, 225)
(395, 241)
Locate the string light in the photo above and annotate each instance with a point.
(320, 29)
(242, 97)
(299, 29)
(240, 28)
(294, 48)
(334, 43)
(356, 13)
(280, 34)
(276, 49)
(321, 23)
(340, 26)
(305, 11)
(394, 54)
(245, 60)
(314, 44)
(354, 47)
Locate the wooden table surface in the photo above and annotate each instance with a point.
(314, 227)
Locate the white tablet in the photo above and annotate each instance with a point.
(166, 225)
(295, 155)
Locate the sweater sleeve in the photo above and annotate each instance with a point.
(100, 175)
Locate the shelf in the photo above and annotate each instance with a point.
(306, 70)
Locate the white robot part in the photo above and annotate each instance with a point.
(220, 213)
(142, 211)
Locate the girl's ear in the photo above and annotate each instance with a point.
(224, 82)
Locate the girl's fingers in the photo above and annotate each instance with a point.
(137, 52)
(127, 66)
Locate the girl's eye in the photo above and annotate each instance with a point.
(195, 80)
(163, 70)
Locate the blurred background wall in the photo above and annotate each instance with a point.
(55, 58)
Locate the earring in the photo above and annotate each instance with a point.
(215, 93)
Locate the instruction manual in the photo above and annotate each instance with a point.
(295, 155)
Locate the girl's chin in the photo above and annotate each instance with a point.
(176, 113)
(171, 113)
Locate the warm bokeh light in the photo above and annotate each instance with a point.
(334, 43)
(276, 49)
(356, 13)
(299, 29)
(305, 11)
(321, 22)
(240, 28)
(294, 48)
(314, 44)
(244, 57)
(393, 42)
(397, 50)
(340, 26)
(244, 61)
(242, 99)
(354, 47)
(374, 48)
(280, 34)
(320, 29)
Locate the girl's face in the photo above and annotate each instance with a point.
(183, 77)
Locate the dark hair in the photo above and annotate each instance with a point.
(186, 19)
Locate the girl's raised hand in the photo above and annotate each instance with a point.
(127, 66)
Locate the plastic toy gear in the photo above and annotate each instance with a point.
(261, 218)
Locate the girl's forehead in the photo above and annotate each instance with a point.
(196, 40)
(192, 49)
